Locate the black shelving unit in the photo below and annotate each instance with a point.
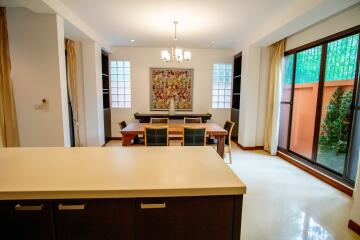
(235, 108)
(106, 95)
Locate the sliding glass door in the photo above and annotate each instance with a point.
(318, 121)
(307, 75)
(337, 97)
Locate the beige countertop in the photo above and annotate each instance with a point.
(94, 172)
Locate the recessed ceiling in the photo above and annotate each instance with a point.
(202, 23)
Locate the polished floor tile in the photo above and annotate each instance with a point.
(286, 203)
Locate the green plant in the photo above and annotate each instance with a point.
(335, 127)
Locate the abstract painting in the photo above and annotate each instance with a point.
(167, 83)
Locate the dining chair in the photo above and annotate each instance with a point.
(194, 136)
(156, 136)
(159, 120)
(229, 125)
(192, 120)
(136, 139)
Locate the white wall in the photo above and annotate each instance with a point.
(262, 93)
(339, 22)
(93, 106)
(38, 62)
(142, 59)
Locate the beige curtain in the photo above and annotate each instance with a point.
(8, 122)
(274, 95)
(72, 86)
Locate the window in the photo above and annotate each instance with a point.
(316, 113)
(120, 84)
(221, 90)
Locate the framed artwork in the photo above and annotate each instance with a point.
(167, 83)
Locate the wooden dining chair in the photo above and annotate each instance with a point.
(229, 127)
(192, 120)
(156, 136)
(159, 120)
(194, 136)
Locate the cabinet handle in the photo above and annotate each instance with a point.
(19, 207)
(152, 205)
(63, 207)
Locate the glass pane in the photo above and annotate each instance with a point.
(355, 149)
(127, 64)
(128, 104)
(305, 98)
(113, 64)
(284, 125)
(337, 98)
(287, 82)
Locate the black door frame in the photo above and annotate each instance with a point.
(343, 177)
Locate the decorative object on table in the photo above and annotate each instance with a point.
(176, 53)
(168, 83)
(172, 106)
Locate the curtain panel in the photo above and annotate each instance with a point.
(72, 86)
(8, 122)
(274, 95)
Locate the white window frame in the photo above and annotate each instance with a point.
(120, 84)
(221, 93)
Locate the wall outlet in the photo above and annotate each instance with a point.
(44, 106)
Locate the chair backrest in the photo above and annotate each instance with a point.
(192, 120)
(229, 127)
(159, 120)
(122, 125)
(194, 136)
(156, 136)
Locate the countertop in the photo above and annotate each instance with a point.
(114, 172)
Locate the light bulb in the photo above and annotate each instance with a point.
(179, 54)
(187, 55)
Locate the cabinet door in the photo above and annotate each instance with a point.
(190, 218)
(88, 219)
(26, 220)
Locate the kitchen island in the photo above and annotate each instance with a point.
(118, 193)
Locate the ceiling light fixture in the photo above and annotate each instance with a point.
(177, 54)
(132, 40)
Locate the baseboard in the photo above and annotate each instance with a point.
(248, 148)
(116, 138)
(332, 182)
(354, 226)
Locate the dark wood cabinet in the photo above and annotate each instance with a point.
(236, 90)
(105, 219)
(176, 218)
(106, 95)
(26, 220)
(191, 218)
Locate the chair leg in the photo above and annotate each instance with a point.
(230, 156)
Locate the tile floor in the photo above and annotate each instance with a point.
(286, 203)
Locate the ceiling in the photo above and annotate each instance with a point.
(202, 23)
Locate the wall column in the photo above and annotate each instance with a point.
(94, 113)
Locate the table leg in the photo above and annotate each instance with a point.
(220, 144)
(126, 139)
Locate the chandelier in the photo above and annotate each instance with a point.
(176, 54)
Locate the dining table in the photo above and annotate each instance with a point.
(212, 129)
